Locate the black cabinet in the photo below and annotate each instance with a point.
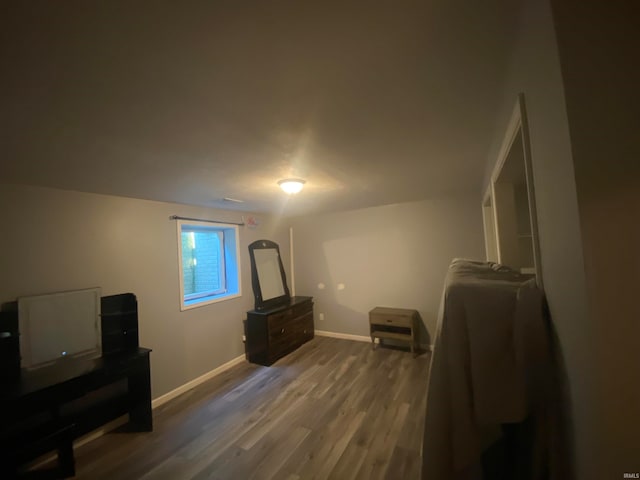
(9, 346)
(74, 397)
(119, 323)
(271, 334)
(48, 407)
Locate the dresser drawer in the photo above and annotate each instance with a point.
(306, 327)
(288, 318)
(303, 309)
(279, 320)
(392, 320)
(273, 334)
(284, 340)
(293, 326)
(281, 331)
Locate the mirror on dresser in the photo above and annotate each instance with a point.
(268, 278)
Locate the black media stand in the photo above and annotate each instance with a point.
(76, 395)
(47, 408)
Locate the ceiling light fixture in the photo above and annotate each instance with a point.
(291, 185)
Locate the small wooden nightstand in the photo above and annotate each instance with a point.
(395, 323)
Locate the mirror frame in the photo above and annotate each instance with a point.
(260, 303)
(518, 124)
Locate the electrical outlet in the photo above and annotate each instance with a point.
(244, 338)
(321, 316)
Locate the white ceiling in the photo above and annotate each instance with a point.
(371, 102)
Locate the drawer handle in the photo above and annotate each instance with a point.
(389, 320)
(282, 331)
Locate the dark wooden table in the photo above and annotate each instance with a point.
(75, 394)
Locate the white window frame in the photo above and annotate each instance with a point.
(201, 299)
(222, 272)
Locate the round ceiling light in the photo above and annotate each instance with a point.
(291, 185)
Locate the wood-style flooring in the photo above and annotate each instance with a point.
(333, 409)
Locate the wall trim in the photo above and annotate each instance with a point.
(343, 336)
(162, 399)
(360, 338)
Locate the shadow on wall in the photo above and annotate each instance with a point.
(342, 304)
(366, 288)
(389, 256)
(345, 309)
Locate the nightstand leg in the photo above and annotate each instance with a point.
(413, 342)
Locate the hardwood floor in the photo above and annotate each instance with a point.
(332, 409)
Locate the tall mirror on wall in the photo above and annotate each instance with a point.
(509, 208)
(490, 242)
(267, 275)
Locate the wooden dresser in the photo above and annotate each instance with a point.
(273, 333)
(394, 323)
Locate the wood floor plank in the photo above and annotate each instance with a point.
(403, 464)
(350, 463)
(333, 409)
(284, 447)
(329, 453)
(380, 450)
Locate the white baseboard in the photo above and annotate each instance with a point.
(360, 338)
(162, 399)
(91, 436)
(344, 336)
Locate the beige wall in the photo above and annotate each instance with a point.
(55, 240)
(601, 78)
(394, 255)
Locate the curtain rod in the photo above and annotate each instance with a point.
(176, 217)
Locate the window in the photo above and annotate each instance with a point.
(209, 263)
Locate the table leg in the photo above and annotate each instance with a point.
(140, 414)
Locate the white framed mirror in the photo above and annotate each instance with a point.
(267, 275)
(509, 205)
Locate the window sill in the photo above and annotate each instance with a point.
(201, 302)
